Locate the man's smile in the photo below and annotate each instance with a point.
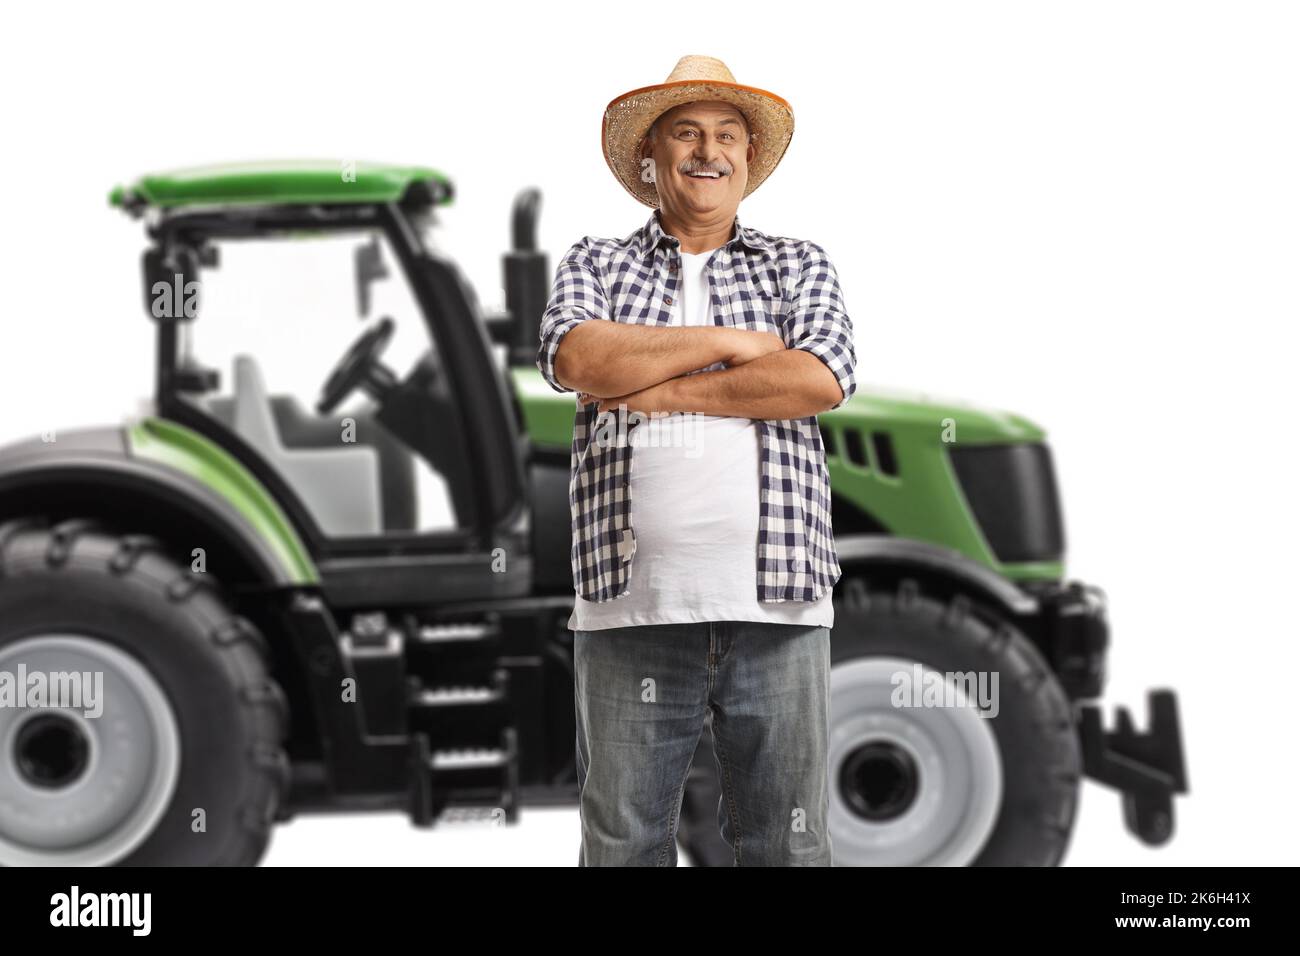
(706, 177)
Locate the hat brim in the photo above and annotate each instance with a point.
(628, 119)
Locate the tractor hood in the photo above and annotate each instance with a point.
(922, 412)
(548, 414)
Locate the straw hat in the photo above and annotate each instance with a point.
(628, 119)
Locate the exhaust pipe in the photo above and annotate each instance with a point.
(527, 283)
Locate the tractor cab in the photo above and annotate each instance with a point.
(409, 449)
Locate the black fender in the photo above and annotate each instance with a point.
(90, 473)
(874, 550)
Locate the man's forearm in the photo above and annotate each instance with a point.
(787, 384)
(614, 358)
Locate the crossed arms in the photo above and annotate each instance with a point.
(806, 370)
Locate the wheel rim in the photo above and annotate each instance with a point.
(910, 786)
(79, 789)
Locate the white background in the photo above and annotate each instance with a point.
(1086, 213)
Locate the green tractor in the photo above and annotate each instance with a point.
(236, 607)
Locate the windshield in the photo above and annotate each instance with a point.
(277, 315)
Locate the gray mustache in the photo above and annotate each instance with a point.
(692, 168)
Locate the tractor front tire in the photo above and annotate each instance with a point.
(928, 785)
(183, 765)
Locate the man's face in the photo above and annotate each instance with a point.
(702, 154)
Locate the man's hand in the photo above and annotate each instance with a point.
(754, 344)
(647, 400)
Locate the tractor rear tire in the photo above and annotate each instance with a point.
(185, 764)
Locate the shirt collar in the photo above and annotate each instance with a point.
(652, 235)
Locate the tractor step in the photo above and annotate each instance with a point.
(454, 696)
(469, 759)
(466, 634)
(454, 653)
(449, 783)
(472, 815)
(461, 695)
(444, 690)
(465, 752)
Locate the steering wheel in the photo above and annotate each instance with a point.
(360, 366)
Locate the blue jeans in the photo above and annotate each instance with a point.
(641, 695)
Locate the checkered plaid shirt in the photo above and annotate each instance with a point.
(769, 283)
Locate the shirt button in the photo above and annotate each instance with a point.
(668, 300)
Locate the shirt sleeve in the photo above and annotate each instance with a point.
(576, 296)
(818, 322)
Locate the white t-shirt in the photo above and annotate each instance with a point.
(694, 487)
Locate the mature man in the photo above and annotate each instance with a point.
(703, 560)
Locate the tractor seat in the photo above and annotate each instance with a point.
(339, 486)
